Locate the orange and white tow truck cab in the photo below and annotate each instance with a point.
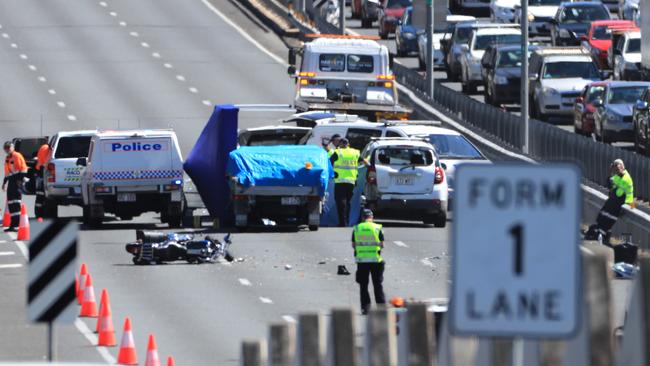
(348, 74)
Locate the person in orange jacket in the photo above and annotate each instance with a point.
(15, 171)
(42, 158)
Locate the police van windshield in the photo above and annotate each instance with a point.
(72, 147)
(337, 62)
(404, 156)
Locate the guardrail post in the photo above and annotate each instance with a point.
(282, 344)
(421, 337)
(311, 340)
(635, 349)
(253, 353)
(341, 349)
(381, 345)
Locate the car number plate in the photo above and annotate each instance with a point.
(404, 181)
(290, 201)
(126, 197)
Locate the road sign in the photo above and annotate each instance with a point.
(52, 266)
(516, 264)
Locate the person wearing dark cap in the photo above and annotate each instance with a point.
(345, 161)
(15, 171)
(368, 241)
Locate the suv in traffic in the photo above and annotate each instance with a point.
(472, 53)
(627, 56)
(404, 179)
(573, 20)
(557, 77)
(501, 73)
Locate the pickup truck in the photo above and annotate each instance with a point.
(278, 185)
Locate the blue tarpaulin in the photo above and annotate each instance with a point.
(206, 163)
(281, 165)
(330, 217)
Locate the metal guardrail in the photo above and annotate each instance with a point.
(547, 142)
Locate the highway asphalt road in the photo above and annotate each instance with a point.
(162, 63)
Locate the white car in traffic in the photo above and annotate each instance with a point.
(503, 10)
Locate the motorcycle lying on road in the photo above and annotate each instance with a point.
(155, 247)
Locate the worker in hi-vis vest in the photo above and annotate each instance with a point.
(345, 161)
(368, 241)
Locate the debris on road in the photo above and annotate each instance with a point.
(343, 271)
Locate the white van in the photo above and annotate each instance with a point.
(131, 172)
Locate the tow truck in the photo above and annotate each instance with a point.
(345, 74)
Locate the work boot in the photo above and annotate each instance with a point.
(11, 229)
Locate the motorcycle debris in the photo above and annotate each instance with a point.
(322, 262)
(240, 259)
(343, 271)
(287, 267)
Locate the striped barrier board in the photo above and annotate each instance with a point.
(52, 266)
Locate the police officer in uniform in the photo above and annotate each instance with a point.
(368, 241)
(42, 158)
(345, 161)
(15, 171)
(621, 192)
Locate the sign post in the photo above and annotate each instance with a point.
(516, 261)
(51, 283)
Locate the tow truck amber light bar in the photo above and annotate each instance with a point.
(385, 77)
(402, 116)
(388, 84)
(307, 74)
(340, 36)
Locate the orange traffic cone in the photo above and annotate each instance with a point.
(170, 361)
(89, 305)
(127, 355)
(82, 283)
(102, 302)
(6, 219)
(105, 322)
(23, 227)
(152, 353)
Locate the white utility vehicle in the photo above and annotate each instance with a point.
(131, 172)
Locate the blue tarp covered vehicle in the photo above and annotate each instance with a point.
(283, 185)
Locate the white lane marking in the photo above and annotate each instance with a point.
(103, 4)
(23, 248)
(122, 24)
(207, 102)
(113, 14)
(289, 319)
(6, 253)
(245, 282)
(243, 33)
(155, 55)
(92, 338)
(5, 35)
(134, 34)
(400, 244)
(427, 262)
(2, 241)
(180, 77)
(52, 91)
(8, 266)
(72, 117)
(266, 300)
(13, 45)
(193, 89)
(23, 56)
(32, 67)
(61, 104)
(42, 79)
(145, 44)
(167, 65)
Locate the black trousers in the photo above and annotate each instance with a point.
(365, 271)
(40, 193)
(343, 196)
(14, 198)
(609, 214)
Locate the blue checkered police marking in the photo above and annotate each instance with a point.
(143, 174)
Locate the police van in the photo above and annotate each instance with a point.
(131, 172)
(348, 74)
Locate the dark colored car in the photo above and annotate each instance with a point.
(369, 12)
(406, 35)
(390, 12)
(583, 111)
(573, 20)
(641, 119)
(613, 119)
(501, 71)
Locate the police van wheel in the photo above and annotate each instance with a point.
(313, 227)
(440, 220)
(90, 221)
